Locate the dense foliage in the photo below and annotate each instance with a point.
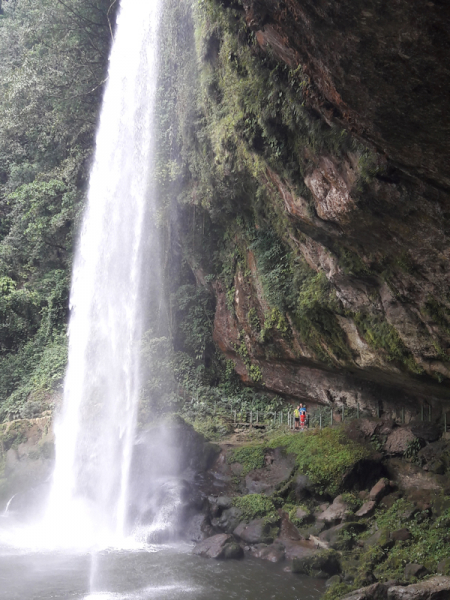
(53, 65)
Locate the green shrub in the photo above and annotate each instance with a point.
(254, 506)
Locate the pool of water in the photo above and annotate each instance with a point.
(160, 572)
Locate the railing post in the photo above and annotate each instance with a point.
(251, 418)
(357, 410)
(331, 422)
(343, 413)
(320, 419)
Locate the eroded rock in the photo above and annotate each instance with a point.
(380, 489)
(366, 509)
(399, 440)
(335, 512)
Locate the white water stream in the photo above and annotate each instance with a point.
(95, 430)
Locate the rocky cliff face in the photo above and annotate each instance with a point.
(327, 196)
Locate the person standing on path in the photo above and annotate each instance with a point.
(302, 410)
(297, 417)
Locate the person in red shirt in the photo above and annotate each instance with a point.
(302, 417)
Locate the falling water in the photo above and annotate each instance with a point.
(95, 430)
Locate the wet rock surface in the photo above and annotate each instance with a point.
(220, 546)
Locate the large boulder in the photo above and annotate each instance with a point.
(321, 564)
(255, 532)
(426, 431)
(220, 546)
(228, 520)
(277, 470)
(399, 440)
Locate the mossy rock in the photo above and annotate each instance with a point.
(232, 551)
(14, 435)
(337, 591)
(255, 506)
(313, 529)
(444, 567)
(322, 564)
(249, 457)
(325, 456)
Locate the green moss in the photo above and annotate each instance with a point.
(323, 455)
(338, 591)
(381, 335)
(427, 546)
(250, 457)
(292, 512)
(255, 506)
(352, 500)
(253, 320)
(13, 434)
(439, 313)
(273, 320)
(352, 263)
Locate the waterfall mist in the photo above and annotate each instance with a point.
(95, 429)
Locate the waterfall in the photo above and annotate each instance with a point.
(95, 428)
